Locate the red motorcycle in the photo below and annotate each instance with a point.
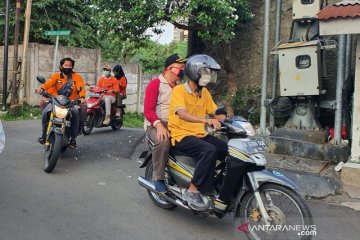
(95, 112)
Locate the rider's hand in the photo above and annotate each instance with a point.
(213, 123)
(39, 90)
(161, 132)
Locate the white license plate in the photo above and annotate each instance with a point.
(255, 146)
(94, 94)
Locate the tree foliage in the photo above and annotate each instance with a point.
(214, 20)
(153, 55)
(74, 15)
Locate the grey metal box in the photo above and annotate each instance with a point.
(299, 68)
(305, 9)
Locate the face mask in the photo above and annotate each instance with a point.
(204, 80)
(179, 72)
(67, 71)
(207, 76)
(106, 73)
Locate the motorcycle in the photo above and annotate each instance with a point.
(58, 129)
(264, 202)
(95, 112)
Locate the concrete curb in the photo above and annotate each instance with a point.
(314, 186)
(304, 149)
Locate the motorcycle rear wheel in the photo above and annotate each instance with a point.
(52, 154)
(248, 218)
(89, 124)
(156, 198)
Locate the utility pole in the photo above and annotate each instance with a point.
(6, 51)
(265, 68)
(25, 48)
(16, 46)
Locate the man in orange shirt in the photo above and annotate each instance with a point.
(66, 83)
(122, 80)
(112, 88)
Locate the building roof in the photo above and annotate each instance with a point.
(343, 9)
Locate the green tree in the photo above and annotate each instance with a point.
(75, 15)
(153, 55)
(213, 20)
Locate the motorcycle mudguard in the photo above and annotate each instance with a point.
(90, 110)
(147, 157)
(258, 178)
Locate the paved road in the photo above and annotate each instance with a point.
(93, 194)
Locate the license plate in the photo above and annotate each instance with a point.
(94, 94)
(255, 146)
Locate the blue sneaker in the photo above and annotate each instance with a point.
(160, 186)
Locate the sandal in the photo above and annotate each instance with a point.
(41, 140)
(72, 144)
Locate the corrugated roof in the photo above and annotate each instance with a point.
(344, 9)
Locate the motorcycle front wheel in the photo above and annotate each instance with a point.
(117, 124)
(290, 216)
(156, 198)
(89, 124)
(53, 152)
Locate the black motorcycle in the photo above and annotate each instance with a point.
(58, 128)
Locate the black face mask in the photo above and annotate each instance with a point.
(181, 74)
(67, 71)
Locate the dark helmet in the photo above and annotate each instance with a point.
(197, 62)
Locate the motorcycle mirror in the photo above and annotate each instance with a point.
(251, 110)
(40, 79)
(221, 110)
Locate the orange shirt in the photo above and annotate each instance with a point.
(122, 84)
(109, 84)
(57, 80)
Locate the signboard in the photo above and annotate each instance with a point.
(57, 33)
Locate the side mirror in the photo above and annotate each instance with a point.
(251, 110)
(40, 79)
(221, 111)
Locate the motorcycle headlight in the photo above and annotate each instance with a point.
(243, 127)
(250, 131)
(60, 112)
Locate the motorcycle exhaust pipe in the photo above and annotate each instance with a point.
(150, 186)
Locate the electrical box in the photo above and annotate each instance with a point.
(305, 9)
(299, 71)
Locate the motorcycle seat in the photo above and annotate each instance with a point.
(175, 152)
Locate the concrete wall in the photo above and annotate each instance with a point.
(40, 62)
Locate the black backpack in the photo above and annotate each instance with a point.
(66, 89)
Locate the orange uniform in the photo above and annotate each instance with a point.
(109, 84)
(57, 80)
(122, 84)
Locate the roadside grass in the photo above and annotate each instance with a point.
(133, 120)
(28, 113)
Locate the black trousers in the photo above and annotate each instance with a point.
(205, 151)
(74, 128)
